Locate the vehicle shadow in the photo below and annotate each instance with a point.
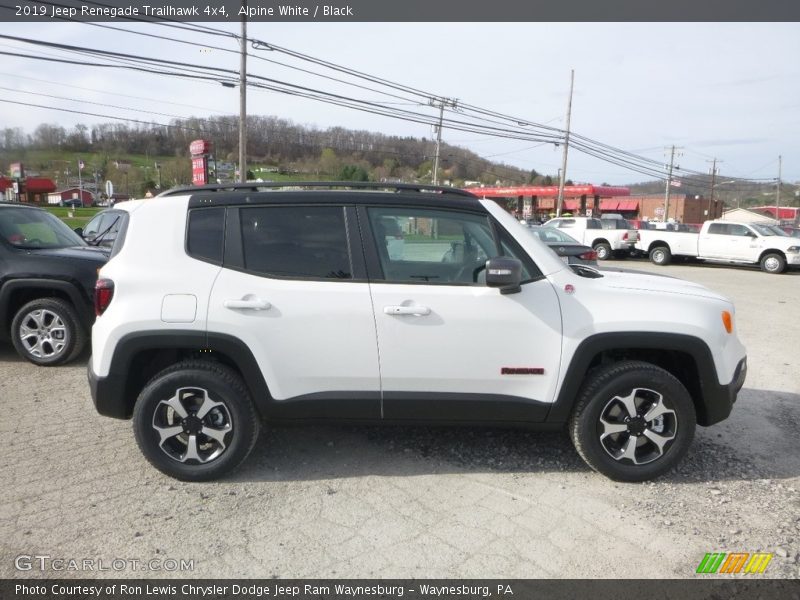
(754, 443)
(689, 262)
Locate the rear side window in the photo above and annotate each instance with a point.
(304, 242)
(206, 234)
(719, 228)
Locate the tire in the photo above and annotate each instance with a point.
(773, 263)
(166, 440)
(660, 255)
(615, 443)
(47, 332)
(603, 251)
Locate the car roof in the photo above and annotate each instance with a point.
(335, 192)
(19, 205)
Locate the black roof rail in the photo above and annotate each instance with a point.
(264, 186)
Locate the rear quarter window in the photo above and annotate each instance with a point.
(205, 234)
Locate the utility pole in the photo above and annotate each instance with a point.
(243, 99)
(80, 182)
(563, 176)
(778, 193)
(442, 103)
(713, 180)
(669, 183)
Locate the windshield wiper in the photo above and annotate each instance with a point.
(98, 238)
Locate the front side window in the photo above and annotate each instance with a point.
(296, 241)
(417, 245)
(740, 230)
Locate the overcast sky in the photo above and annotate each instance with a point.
(724, 90)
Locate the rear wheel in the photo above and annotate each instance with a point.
(603, 251)
(660, 255)
(633, 421)
(47, 332)
(195, 421)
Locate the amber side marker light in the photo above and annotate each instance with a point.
(727, 320)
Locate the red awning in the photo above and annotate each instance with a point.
(551, 191)
(608, 205)
(628, 205)
(39, 185)
(5, 183)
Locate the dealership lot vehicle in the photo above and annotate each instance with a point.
(568, 248)
(103, 229)
(603, 235)
(47, 279)
(724, 241)
(277, 304)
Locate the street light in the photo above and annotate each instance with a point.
(711, 198)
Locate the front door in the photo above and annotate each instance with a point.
(451, 348)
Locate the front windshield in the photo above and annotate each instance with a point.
(767, 230)
(32, 229)
(551, 234)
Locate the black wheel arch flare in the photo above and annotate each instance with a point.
(688, 358)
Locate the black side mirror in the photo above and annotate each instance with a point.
(79, 231)
(505, 273)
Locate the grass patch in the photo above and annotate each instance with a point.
(80, 216)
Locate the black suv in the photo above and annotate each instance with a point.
(47, 279)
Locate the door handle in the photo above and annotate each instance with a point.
(417, 311)
(254, 304)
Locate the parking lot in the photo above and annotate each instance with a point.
(347, 501)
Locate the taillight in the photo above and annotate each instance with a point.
(625, 236)
(590, 255)
(103, 294)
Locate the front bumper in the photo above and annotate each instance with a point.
(720, 399)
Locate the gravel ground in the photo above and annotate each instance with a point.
(327, 501)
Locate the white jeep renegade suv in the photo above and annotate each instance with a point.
(223, 306)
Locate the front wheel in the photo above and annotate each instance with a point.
(47, 332)
(773, 263)
(195, 421)
(633, 421)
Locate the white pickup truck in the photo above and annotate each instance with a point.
(724, 241)
(601, 236)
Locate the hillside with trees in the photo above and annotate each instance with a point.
(128, 154)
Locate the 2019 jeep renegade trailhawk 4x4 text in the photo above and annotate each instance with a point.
(228, 305)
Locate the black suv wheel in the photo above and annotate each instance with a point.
(195, 421)
(47, 332)
(633, 421)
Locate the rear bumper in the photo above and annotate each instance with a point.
(107, 394)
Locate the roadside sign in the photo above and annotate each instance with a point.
(588, 212)
(109, 188)
(659, 211)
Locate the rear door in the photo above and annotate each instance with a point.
(452, 348)
(293, 288)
